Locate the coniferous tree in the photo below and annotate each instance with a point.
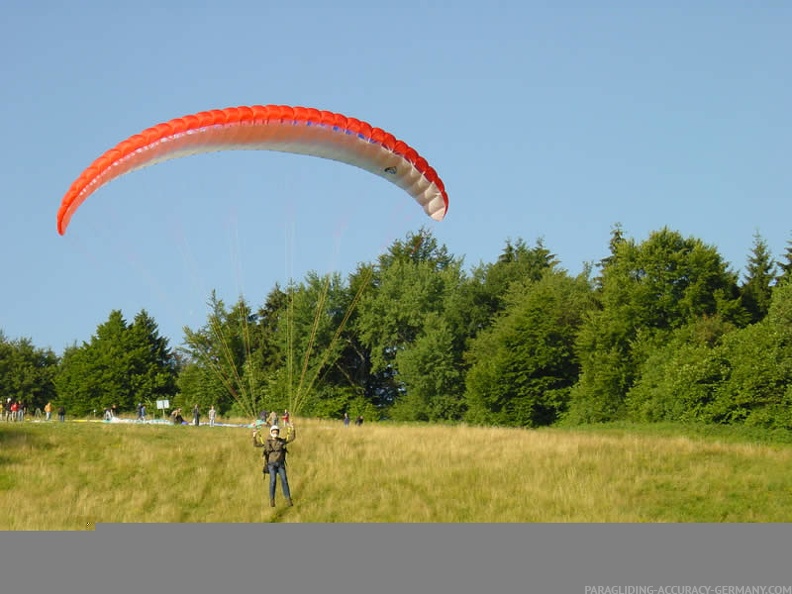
(785, 264)
(756, 290)
(122, 365)
(217, 358)
(487, 287)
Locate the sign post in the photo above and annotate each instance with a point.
(163, 404)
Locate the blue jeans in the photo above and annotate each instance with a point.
(278, 469)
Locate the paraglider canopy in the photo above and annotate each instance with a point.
(281, 128)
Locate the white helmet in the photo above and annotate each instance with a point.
(274, 428)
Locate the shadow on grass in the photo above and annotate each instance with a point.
(12, 437)
(723, 433)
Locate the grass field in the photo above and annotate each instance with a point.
(72, 475)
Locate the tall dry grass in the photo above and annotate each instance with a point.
(70, 476)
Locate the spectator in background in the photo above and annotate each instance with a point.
(176, 415)
(212, 415)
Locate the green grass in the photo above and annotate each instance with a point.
(70, 476)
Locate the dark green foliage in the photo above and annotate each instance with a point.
(758, 390)
(199, 385)
(523, 367)
(151, 364)
(314, 340)
(226, 360)
(646, 291)
(785, 264)
(760, 275)
(712, 372)
(27, 372)
(479, 298)
(430, 374)
(122, 365)
(663, 333)
(392, 316)
(294, 353)
(417, 247)
(679, 379)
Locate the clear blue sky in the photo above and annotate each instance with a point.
(550, 120)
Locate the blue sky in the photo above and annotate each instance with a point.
(551, 120)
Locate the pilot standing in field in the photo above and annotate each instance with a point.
(275, 459)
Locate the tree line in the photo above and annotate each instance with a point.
(659, 330)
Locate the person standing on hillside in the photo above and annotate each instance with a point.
(275, 459)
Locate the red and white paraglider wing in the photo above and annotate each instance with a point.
(281, 128)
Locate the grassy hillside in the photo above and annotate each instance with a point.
(69, 476)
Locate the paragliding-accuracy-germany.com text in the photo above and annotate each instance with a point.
(688, 590)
